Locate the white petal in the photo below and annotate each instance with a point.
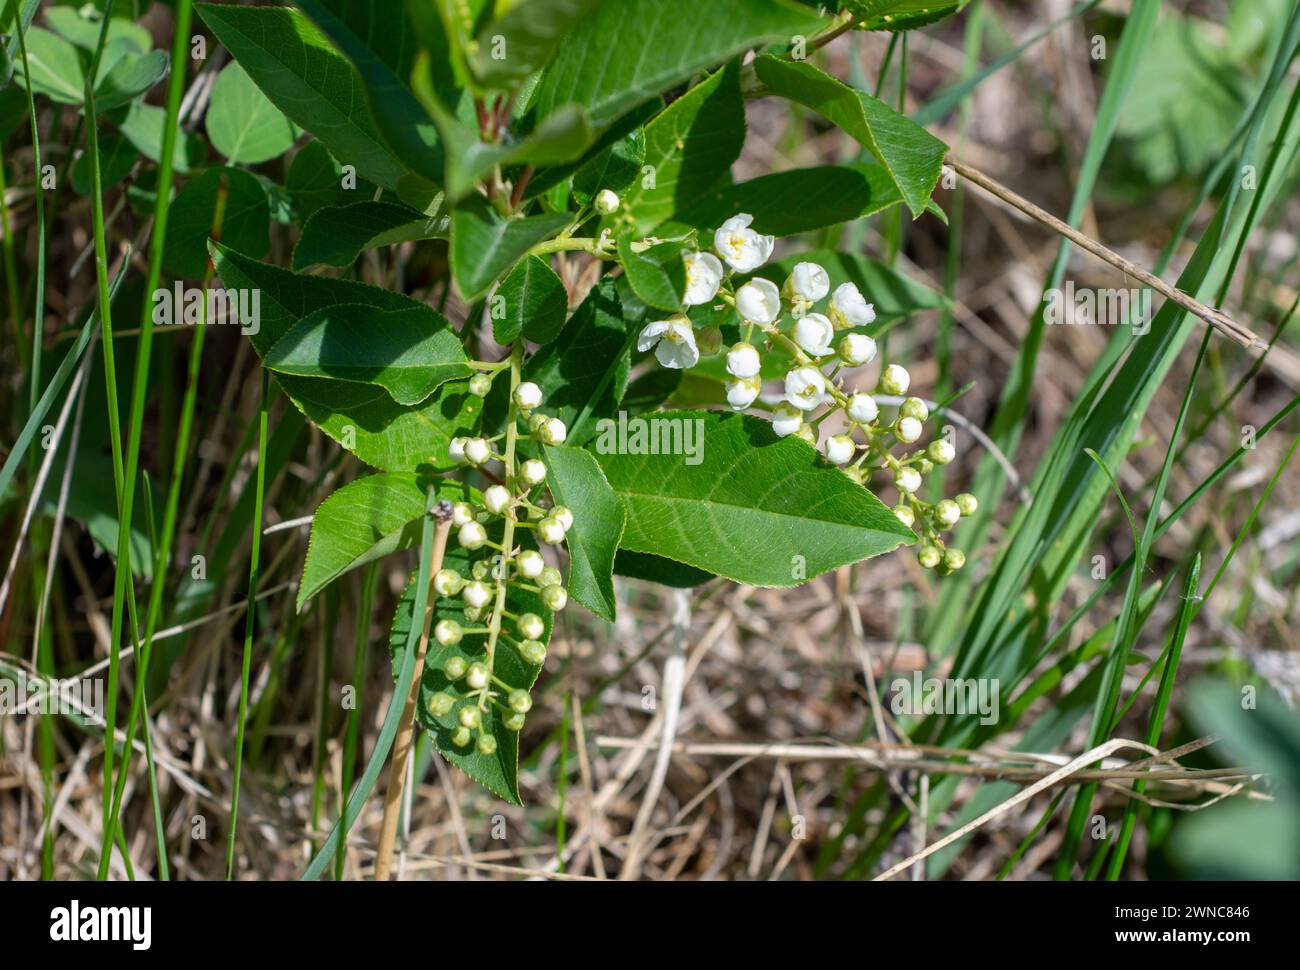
(651, 334)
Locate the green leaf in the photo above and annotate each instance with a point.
(245, 224)
(533, 304)
(627, 52)
(912, 156)
(54, 68)
(241, 121)
(740, 502)
(658, 274)
(129, 78)
(576, 481)
(116, 157)
(651, 389)
(584, 372)
(657, 569)
(363, 521)
(689, 147)
(143, 128)
(614, 168)
(337, 235)
(363, 418)
(899, 15)
(788, 203)
(297, 69)
(315, 180)
(498, 772)
(408, 352)
(520, 41)
(82, 27)
(484, 244)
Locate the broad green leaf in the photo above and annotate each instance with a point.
(337, 235)
(245, 223)
(316, 180)
(143, 128)
(384, 26)
(523, 38)
(116, 156)
(658, 274)
(650, 389)
(724, 494)
(484, 244)
(657, 569)
(408, 352)
(297, 69)
(576, 481)
(129, 78)
(498, 772)
(689, 147)
(614, 168)
(363, 418)
(788, 203)
(363, 521)
(242, 123)
(911, 155)
(82, 26)
(899, 15)
(584, 372)
(628, 51)
(532, 303)
(54, 68)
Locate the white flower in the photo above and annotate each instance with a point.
(743, 361)
(472, 535)
(477, 451)
(839, 449)
(530, 563)
(907, 480)
(497, 499)
(758, 301)
(673, 341)
(742, 392)
(477, 593)
(533, 472)
(461, 513)
(786, 420)
(703, 276)
(862, 408)
(742, 248)
(806, 284)
(908, 430)
(552, 431)
(857, 349)
(550, 530)
(813, 334)
(562, 515)
(527, 396)
(947, 512)
(805, 388)
(849, 309)
(895, 380)
(606, 201)
(941, 451)
(456, 449)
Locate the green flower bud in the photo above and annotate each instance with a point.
(941, 451)
(954, 559)
(929, 556)
(555, 597)
(440, 704)
(947, 512)
(469, 716)
(487, 745)
(461, 737)
(454, 667)
(480, 385)
(550, 577)
(531, 626)
(513, 722)
(534, 651)
(477, 676)
(905, 515)
(914, 407)
(967, 503)
(448, 632)
(520, 702)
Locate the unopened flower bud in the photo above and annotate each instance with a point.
(895, 380)
(462, 736)
(513, 722)
(758, 301)
(520, 702)
(786, 420)
(807, 433)
(929, 556)
(905, 515)
(550, 530)
(477, 451)
(447, 582)
(534, 651)
(839, 449)
(480, 385)
(497, 498)
(742, 392)
(447, 632)
(863, 408)
(907, 480)
(531, 626)
(555, 598)
(967, 503)
(553, 432)
(941, 451)
(913, 407)
(856, 349)
(606, 201)
(849, 309)
(472, 535)
(533, 472)
(454, 667)
(530, 564)
(908, 430)
(563, 515)
(813, 333)
(469, 716)
(456, 449)
(461, 513)
(947, 512)
(806, 284)
(743, 361)
(487, 745)
(954, 559)
(477, 593)
(477, 676)
(527, 396)
(550, 577)
(441, 703)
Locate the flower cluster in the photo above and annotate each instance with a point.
(512, 503)
(816, 349)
